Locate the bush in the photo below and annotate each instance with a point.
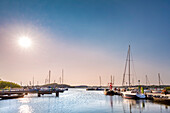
(5, 84)
(167, 88)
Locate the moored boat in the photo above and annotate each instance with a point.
(162, 99)
(147, 91)
(133, 95)
(156, 91)
(90, 88)
(99, 89)
(11, 96)
(109, 92)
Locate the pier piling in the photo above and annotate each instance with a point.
(39, 95)
(57, 94)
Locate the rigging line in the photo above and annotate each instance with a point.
(148, 80)
(125, 70)
(162, 82)
(46, 79)
(133, 66)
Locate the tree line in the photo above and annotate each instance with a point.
(6, 84)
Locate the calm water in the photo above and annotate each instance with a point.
(80, 101)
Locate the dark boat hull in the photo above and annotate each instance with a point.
(162, 100)
(109, 93)
(11, 96)
(127, 96)
(99, 89)
(90, 89)
(117, 93)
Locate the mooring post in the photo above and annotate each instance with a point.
(57, 94)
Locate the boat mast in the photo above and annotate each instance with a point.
(49, 76)
(111, 83)
(33, 81)
(129, 64)
(123, 82)
(146, 80)
(60, 80)
(159, 79)
(100, 80)
(62, 76)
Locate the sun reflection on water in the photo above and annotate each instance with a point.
(24, 100)
(25, 109)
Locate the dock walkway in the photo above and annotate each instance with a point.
(9, 94)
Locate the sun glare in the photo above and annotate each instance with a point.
(25, 42)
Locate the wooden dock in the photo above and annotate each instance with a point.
(159, 98)
(151, 95)
(21, 93)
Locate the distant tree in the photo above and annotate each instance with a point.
(6, 84)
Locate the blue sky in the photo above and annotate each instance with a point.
(108, 26)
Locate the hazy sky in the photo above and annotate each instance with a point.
(86, 38)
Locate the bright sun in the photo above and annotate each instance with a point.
(25, 42)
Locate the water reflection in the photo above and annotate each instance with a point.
(137, 104)
(143, 106)
(25, 109)
(24, 100)
(111, 103)
(80, 101)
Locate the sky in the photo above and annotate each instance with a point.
(85, 38)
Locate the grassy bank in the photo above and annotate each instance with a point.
(6, 85)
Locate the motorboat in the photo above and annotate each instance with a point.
(133, 95)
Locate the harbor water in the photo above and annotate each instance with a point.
(80, 101)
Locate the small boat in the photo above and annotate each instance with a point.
(156, 91)
(133, 95)
(147, 91)
(11, 96)
(99, 89)
(109, 92)
(91, 88)
(117, 91)
(162, 99)
(94, 88)
(65, 89)
(61, 90)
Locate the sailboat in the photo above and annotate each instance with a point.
(158, 90)
(109, 91)
(99, 88)
(132, 93)
(96, 89)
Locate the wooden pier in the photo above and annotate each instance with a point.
(159, 98)
(151, 95)
(21, 93)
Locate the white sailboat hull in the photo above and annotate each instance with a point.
(130, 95)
